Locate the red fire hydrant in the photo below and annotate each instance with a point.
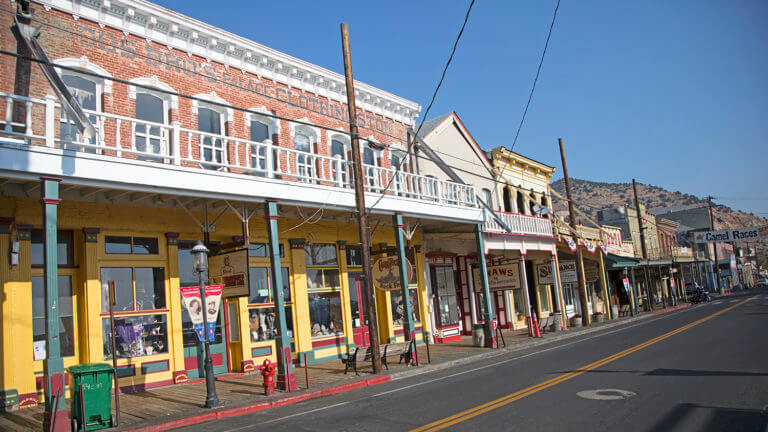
(268, 372)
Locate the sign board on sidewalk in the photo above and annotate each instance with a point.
(500, 277)
(567, 273)
(731, 235)
(192, 302)
(230, 270)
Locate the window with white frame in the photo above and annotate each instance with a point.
(488, 197)
(211, 123)
(430, 188)
(398, 158)
(261, 129)
(370, 162)
(87, 91)
(339, 148)
(150, 138)
(304, 139)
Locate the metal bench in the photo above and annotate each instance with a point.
(363, 354)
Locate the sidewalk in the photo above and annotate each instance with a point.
(179, 405)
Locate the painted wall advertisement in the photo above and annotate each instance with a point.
(230, 270)
(386, 273)
(500, 277)
(192, 302)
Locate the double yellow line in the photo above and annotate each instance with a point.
(497, 403)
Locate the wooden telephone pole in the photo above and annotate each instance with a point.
(642, 247)
(585, 318)
(714, 245)
(362, 220)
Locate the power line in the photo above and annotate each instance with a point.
(432, 101)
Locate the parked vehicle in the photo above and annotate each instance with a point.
(762, 283)
(700, 296)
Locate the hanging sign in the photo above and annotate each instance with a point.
(230, 270)
(731, 235)
(625, 281)
(589, 245)
(500, 277)
(190, 297)
(591, 271)
(213, 302)
(386, 273)
(571, 243)
(567, 273)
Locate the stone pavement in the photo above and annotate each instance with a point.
(173, 406)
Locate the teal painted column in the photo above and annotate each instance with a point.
(490, 331)
(408, 323)
(53, 366)
(286, 380)
(634, 291)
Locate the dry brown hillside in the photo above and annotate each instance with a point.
(592, 196)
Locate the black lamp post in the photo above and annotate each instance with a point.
(200, 257)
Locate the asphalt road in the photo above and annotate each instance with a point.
(698, 369)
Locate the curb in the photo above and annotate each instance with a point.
(259, 406)
(366, 382)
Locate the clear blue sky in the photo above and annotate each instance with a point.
(672, 93)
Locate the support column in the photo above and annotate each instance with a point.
(397, 220)
(53, 365)
(633, 289)
(302, 333)
(606, 291)
(648, 296)
(286, 380)
(682, 280)
(559, 288)
(421, 274)
(91, 338)
(175, 337)
(490, 334)
(526, 295)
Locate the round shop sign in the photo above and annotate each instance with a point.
(386, 273)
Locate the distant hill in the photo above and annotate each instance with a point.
(591, 196)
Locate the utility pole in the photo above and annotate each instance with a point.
(642, 246)
(362, 220)
(585, 318)
(714, 245)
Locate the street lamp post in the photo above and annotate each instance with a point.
(200, 257)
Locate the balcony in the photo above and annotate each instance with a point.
(140, 148)
(585, 232)
(520, 224)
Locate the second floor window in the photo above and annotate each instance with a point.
(88, 95)
(150, 139)
(339, 150)
(304, 164)
(487, 197)
(211, 147)
(259, 134)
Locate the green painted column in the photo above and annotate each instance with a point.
(53, 366)
(408, 323)
(634, 291)
(490, 333)
(286, 380)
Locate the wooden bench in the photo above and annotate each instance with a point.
(546, 323)
(363, 354)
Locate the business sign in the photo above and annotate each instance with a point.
(230, 270)
(386, 273)
(191, 301)
(500, 277)
(731, 235)
(567, 273)
(625, 281)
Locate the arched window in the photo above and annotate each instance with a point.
(88, 90)
(520, 202)
(544, 203)
(399, 161)
(261, 131)
(370, 162)
(151, 141)
(211, 121)
(507, 199)
(531, 204)
(304, 140)
(339, 150)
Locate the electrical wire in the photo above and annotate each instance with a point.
(432, 101)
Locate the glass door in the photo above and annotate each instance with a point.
(357, 300)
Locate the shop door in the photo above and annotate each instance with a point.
(501, 312)
(446, 305)
(357, 299)
(194, 351)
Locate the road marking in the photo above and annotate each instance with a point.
(289, 416)
(606, 394)
(497, 403)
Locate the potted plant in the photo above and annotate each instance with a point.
(576, 321)
(599, 317)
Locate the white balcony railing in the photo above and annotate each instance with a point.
(520, 224)
(125, 137)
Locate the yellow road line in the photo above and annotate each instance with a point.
(488, 406)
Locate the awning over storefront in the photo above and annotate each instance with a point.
(619, 262)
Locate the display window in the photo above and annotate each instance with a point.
(325, 313)
(66, 318)
(398, 306)
(444, 289)
(324, 297)
(262, 315)
(544, 298)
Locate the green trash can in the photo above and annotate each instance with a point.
(91, 390)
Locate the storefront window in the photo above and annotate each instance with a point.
(263, 323)
(322, 278)
(320, 254)
(131, 245)
(259, 282)
(325, 313)
(354, 256)
(136, 336)
(444, 285)
(544, 298)
(66, 324)
(519, 300)
(398, 306)
(136, 289)
(63, 249)
(261, 250)
(482, 306)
